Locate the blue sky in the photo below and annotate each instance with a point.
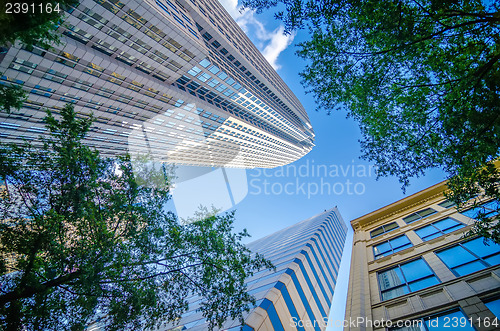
(330, 175)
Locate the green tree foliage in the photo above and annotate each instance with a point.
(421, 77)
(31, 23)
(81, 240)
(11, 97)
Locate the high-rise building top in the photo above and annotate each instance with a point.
(176, 79)
(300, 291)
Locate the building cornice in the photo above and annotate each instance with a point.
(399, 206)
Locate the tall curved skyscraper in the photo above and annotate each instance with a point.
(178, 80)
(299, 293)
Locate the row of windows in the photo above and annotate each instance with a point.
(462, 259)
(487, 209)
(224, 86)
(452, 319)
(428, 232)
(251, 78)
(215, 44)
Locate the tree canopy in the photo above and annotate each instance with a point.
(29, 23)
(82, 240)
(421, 78)
(33, 22)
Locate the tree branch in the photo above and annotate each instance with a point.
(29, 291)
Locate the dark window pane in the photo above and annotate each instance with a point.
(411, 218)
(426, 212)
(377, 232)
(390, 227)
(447, 204)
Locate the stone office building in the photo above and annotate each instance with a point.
(412, 266)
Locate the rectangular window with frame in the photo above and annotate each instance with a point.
(418, 215)
(383, 229)
(438, 228)
(470, 256)
(487, 209)
(391, 246)
(405, 278)
(447, 204)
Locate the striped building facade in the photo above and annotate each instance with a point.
(298, 295)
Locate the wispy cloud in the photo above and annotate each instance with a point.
(270, 43)
(279, 42)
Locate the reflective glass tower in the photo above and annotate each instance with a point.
(176, 79)
(299, 293)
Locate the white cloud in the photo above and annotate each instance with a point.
(270, 43)
(279, 42)
(231, 7)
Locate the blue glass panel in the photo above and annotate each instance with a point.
(478, 247)
(318, 280)
(303, 298)
(328, 267)
(390, 278)
(435, 235)
(204, 63)
(415, 270)
(455, 256)
(213, 69)
(423, 283)
(453, 228)
(494, 307)
(321, 268)
(445, 224)
(492, 205)
(322, 240)
(425, 231)
(273, 315)
(399, 291)
(399, 241)
(289, 303)
(452, 321)
(493, 260)
(472, 213)
(311, 287)
(469, 268)
(381, 248)
(402, 247)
